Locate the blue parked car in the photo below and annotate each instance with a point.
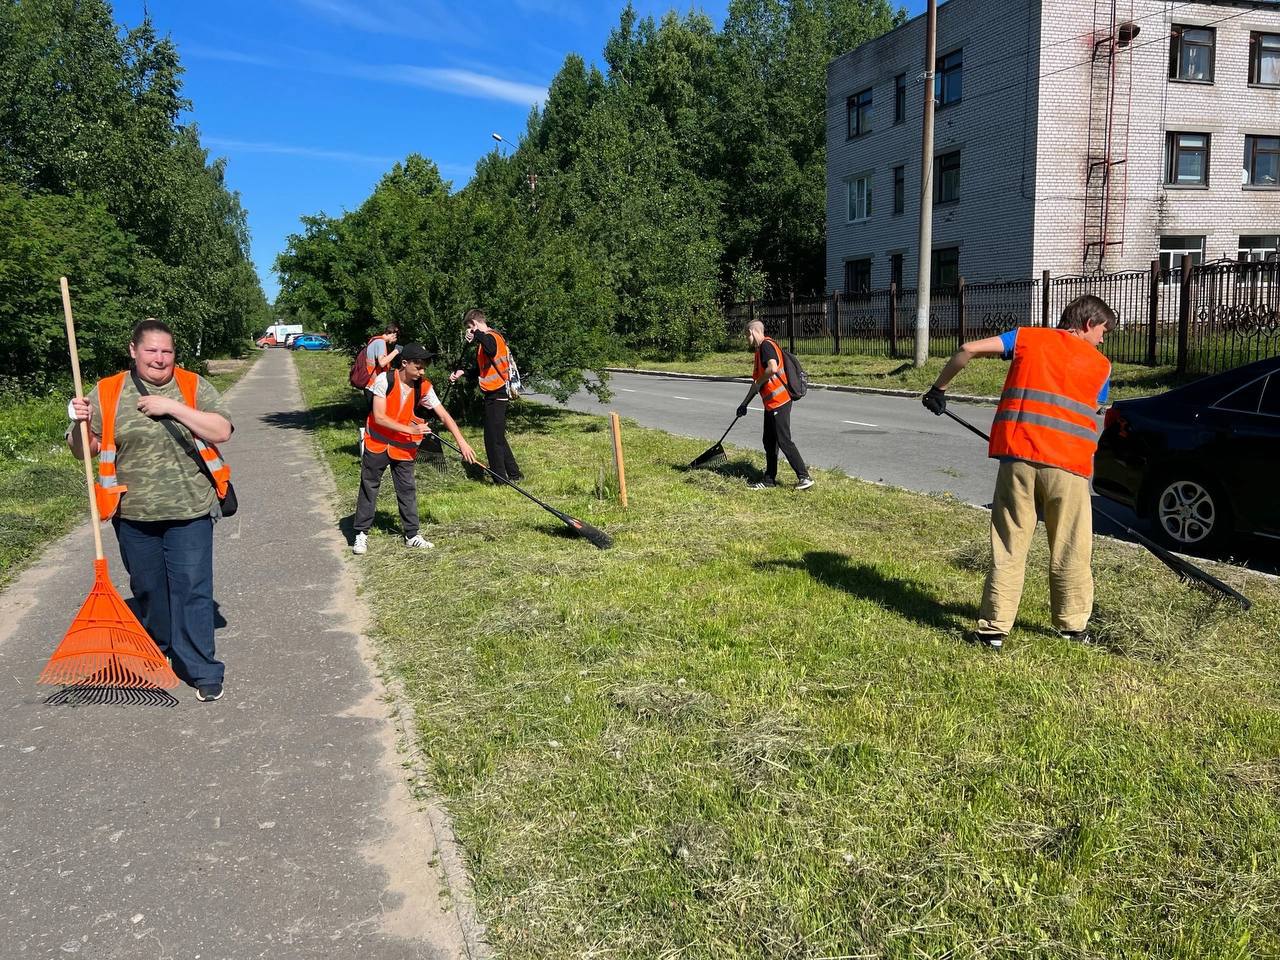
(310, 341)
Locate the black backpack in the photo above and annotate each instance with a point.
(797, 379)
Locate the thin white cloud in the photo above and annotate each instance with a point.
(564, 9)
(230, 56)
(466, 82)
(423, 19)
(339, 156)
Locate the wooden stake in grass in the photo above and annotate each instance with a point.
(616, 424)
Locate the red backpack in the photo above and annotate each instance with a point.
(359, 375)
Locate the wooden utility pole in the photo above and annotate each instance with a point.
(926, 190)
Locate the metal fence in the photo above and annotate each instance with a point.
(1199, 318)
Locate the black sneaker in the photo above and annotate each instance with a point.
(765, 484)
(991, 641)
(517, 477)
(209, 692)
(1082, 637)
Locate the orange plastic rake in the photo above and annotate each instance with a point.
(106, 646)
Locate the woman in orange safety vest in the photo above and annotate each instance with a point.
(146, 426)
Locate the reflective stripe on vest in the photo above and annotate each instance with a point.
(189, 386)
(397, 445)
(494, 371)
(774, 392)
(108, 491)
(1046, 411)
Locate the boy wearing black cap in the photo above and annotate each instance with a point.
(393, 431)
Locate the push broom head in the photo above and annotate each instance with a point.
(107, 646)
(714, 455)
(593, 535)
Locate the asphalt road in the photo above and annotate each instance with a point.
(891, 440)
(885, 439)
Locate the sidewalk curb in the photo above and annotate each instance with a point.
(835, 387)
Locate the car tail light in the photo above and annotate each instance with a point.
(1114, 419)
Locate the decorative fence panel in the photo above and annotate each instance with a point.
(1201, 318)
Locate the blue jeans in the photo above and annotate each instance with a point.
(170, 565)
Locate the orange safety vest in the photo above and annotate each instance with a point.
(494, 371)
(373, 367)
(774, 392)
(108, 491)
(1046, 411)
(400, 444)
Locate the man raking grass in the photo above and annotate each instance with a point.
(393, 431)
(1044, 436)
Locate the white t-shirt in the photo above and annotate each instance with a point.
(379, 389)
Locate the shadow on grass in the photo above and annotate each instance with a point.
(910, 600)
(730, 469)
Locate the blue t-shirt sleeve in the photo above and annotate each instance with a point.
(1104, 392)
(1008, 340)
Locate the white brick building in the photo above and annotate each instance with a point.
(1063, 141)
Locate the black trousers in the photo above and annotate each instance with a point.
(501, 460)
(777, 435)
(372, 466)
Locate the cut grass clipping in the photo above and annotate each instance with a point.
(752, 728)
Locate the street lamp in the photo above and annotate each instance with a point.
(532, 177)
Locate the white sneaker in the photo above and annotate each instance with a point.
(416, 542)
(361, 545)
(804, 483)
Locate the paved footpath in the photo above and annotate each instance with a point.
(274, 823)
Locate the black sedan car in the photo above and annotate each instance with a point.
(1200, 462)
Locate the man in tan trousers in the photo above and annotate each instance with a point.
(1044, 436)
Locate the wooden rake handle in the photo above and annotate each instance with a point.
(86, 456)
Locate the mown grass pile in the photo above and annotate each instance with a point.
(982, 378)
(752, 729)
(42, 492)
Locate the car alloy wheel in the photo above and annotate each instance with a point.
(1187, 512)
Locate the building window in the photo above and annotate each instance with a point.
(1191, 54)
(899, 98)
(1187, 160)
(859, 108)
(899, 189)
(948, 79)
(895, 270)
(945, 270)
(1258, 249)
(1262, 161)
(860, 198)
(946, 178)
(1264, 59)
(1172, 249)
(857, 276)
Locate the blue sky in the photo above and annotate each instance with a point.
(312, 101)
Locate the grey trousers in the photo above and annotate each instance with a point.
(372, 466)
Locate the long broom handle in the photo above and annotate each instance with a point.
(726, 433)
(496, 476)
(86, 456)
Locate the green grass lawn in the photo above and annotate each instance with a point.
(42, 493)
(752, 728)
(982, 378)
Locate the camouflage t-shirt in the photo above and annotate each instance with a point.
(164, 482)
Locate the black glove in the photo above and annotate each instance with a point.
(742, 409)
(935, 401)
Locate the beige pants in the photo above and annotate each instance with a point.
(1024, 490)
